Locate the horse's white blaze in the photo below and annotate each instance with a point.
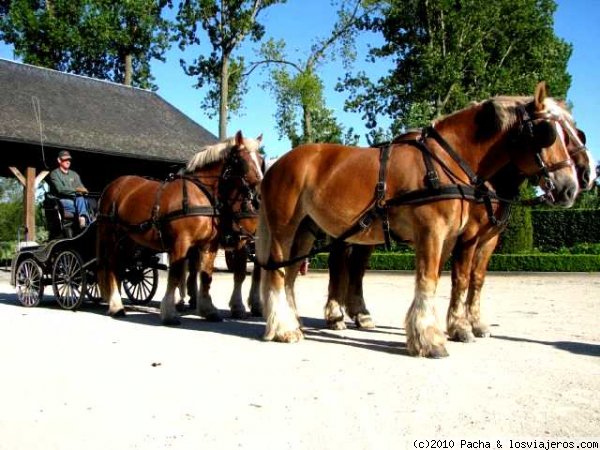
(591, 162)
(254, 156)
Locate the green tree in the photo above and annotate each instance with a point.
(98, 38)
(446, 53)
(227, 23)
(298, 88)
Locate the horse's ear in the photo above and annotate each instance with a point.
(239, 138)
(540, 95)
(259, 139)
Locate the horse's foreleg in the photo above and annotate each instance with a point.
(423, 336)
(338, 285)
(254, 295)
(205, 307)
(183, 287)
(478, 272)
(168, 310)
(302, 245)
(236, 305)
(354, 299)
(281, 322)
(457, 324)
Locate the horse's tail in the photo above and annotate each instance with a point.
(263, 238)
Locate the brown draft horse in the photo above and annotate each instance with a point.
(471, 255)
(180, 216)
(332, 187)
(202, 264)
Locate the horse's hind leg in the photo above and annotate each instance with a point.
(457, 325)
(338, 285)
(423, 336)
(236, 305)
(354, 299)
(478, 272)
(106, 252)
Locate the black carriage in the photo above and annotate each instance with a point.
(67, 262)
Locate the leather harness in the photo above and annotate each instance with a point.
(476, 191)
(158, 221)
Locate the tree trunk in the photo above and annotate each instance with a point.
(308, 132)
(128, 69)
(224, 97)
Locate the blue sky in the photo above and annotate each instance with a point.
(576, 21)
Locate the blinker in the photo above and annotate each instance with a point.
(544, 134)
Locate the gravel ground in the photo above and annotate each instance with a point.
(85, 381)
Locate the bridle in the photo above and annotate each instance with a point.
(540, 129)
(238, 196)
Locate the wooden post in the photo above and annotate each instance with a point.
(29, 204)
(29, 183)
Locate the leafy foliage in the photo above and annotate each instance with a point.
(99, 38)
(447, 53)
(302, 115)
(227, 24)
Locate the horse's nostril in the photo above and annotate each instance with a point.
(585, 177)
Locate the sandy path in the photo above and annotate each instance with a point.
(84, 381)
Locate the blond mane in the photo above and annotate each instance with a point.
(499, 114)
(217, 152)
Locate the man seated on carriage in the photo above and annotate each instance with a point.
(66, 185)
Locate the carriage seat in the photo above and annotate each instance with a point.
(60, 224)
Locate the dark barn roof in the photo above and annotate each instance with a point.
(92, 116)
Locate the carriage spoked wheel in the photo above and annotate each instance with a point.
(29, 283)
(92, 288)
(69, 280)
(140, 283)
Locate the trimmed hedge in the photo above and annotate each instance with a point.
(505, 263)
(558, 228)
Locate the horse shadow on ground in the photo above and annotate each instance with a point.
(314, 329)
(577, 348)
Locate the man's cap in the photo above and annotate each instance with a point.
(64, 154)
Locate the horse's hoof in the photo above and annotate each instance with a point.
(192, 304)
(214, 316)
(290, 337)
(118, 313)
(256, 312)
(462, 335)
(238, 314)
(336, 324)
(364, 321)
(481, 331)
(173, 321)
(437, 352)
(180, 307)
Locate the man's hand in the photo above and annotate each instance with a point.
(81, 190)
